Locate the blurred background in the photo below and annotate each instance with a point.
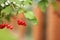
(33, 12)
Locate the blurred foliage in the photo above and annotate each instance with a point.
(2, 1)
(14, 6)
(43, 4)
(5, 35)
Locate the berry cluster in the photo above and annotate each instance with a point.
(20, 22)
(6, 25)
(9, 26)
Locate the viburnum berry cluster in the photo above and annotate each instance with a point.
(8, 26)
(19, 21)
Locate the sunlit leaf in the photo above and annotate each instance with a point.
(7, 10)
(28, 2)
(29, 15)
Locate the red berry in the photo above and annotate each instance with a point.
(24, 24)
(2, 26)
(20, 22)
(9, 26)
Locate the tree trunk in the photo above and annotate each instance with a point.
(37, 30)
(53, 24)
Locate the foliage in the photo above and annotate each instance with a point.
(2, 1)
(12, 7)
(43, 4)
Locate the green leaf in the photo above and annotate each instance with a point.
(28, 2)
(20, 10)
(43, 5)
(2, 1)
(29, 15)
(7, 17)
(7, 10)
(54, 4)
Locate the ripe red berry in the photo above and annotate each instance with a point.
(9, 26)
(20, 22)
(24, 24)
(2, 26)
